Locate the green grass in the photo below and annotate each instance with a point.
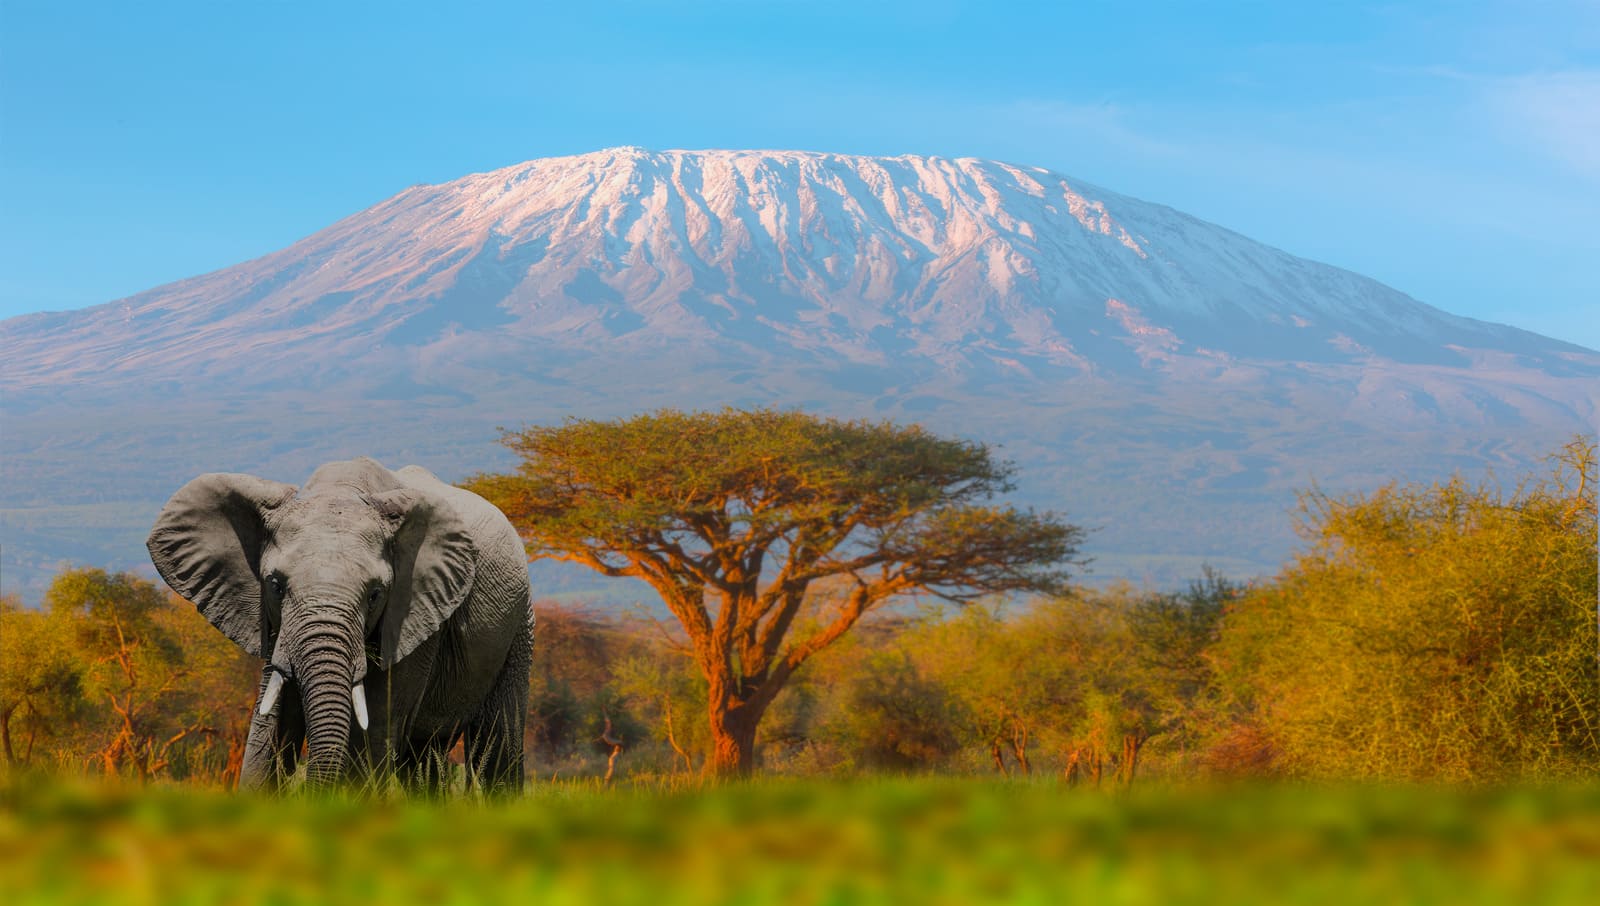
(875, 841)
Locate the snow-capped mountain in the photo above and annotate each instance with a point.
(872, 261)
(1153, 373)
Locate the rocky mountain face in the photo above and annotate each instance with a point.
(1161, 378)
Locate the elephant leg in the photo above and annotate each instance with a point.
(494, 736)
(372, 750)
(394, 746)
(273, 745)
(423, 763)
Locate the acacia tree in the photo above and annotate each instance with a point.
(734, 516)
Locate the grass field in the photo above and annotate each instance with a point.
(873, 841)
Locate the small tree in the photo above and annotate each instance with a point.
(665, 690)
(575, 655)
(1171, 636)
(41, 683)
(734, 516)
(1003, 681)
(890, 714)
(139, 648)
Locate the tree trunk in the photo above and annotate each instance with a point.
(611, 763)
(112, 756)
(1131, 744)
(1019, 746)
(5, 736)
(733, 741)
(615, 742)
(672, 739)
(235, 765)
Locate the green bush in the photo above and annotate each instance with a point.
(1445, 632)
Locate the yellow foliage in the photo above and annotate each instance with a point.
(1432, 632)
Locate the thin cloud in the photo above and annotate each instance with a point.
(1556, 113)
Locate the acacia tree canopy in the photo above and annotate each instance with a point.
(733, 515)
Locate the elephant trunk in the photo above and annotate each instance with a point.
(328, 664)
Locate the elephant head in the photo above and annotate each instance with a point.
(319, 584)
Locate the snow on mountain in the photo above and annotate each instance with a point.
(866, 260)
(1151, 370)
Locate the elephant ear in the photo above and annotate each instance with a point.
(207, 545)
(434, 562)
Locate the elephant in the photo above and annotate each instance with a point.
(384, 596)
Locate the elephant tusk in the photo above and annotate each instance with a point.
(358, 695)
(270, 697)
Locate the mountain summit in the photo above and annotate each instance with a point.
(872, 261)
(1155, 374)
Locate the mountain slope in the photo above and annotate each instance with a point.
(1154, 374)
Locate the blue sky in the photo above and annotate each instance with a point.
(1449, 149)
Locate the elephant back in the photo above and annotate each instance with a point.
(362, 477)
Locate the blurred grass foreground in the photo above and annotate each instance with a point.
(872, 841)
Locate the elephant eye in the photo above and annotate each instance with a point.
(275, 582)
(375, 595)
